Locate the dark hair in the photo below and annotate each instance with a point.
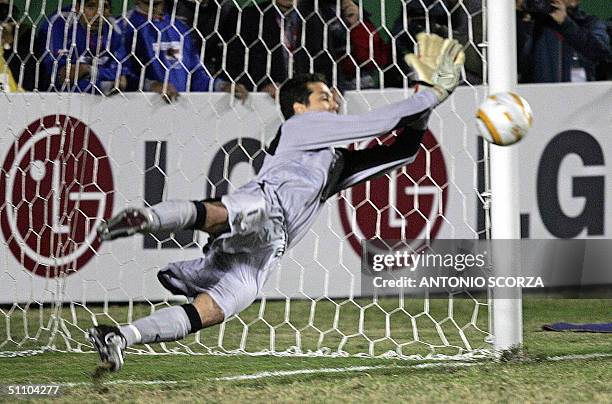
(296, 90)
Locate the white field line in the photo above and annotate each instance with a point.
(285, 373)
(118, 382)
(262, 375)
(282, 373)
(584, 356)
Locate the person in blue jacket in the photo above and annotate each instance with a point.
(83, 50)
(163, 56)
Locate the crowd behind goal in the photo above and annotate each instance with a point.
(175, 46)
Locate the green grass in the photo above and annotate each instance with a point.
(530, 377)
(352, 326)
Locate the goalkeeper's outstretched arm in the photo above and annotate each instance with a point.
(364, 164)
(438, 64)
(318, 130)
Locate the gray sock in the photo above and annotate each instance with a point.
(169, 324)
(173, 215)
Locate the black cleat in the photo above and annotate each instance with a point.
(110, 344)
(126, 223)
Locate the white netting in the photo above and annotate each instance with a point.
(78, 148)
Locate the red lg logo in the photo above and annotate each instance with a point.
(55, 188)
(406, 204)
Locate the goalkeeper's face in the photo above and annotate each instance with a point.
(320, 99)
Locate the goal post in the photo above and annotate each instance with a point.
(72, 159)
(504, 174)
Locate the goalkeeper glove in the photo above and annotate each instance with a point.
(438, 63)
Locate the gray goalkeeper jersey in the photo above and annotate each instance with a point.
(275, 210)
(298, 172)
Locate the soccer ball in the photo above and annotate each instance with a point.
(504, 118)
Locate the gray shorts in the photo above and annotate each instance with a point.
(236, 264)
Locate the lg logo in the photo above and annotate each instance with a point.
(586, 190)
(407, 204)
(56, 187)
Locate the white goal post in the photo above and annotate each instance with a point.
(71, 160)
(504, 173)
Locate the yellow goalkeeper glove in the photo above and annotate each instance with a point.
(438, 63)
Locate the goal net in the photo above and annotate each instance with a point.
(76, 151)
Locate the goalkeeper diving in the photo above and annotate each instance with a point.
(250, 229)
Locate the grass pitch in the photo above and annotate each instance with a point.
(529, 376)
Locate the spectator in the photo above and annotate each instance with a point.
(42, 44)
(415, 18)
(163, 55)
(466, 24)
(345, 22)
(43, 25)
(214, 28)
(7, 81)
(341, 22)
(368, 52)
(604, 69)
(16, 47)
(466, 17)
(558, 42)
(350, 12)
(85, 53)
(280, 50)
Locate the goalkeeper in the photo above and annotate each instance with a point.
(251, 228)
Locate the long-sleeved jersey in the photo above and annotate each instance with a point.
(273, 211)
(306, 165)
(165, 51)
(69, 43)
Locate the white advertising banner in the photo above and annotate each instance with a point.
(566, 161)
(70, 161)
